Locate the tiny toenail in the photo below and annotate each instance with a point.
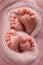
(16, 25)
(9, 32)
(13, 32)
(31, 13)
(27, 11)
(8, 42)
(7, 39)
(12, 24)
(32, 48)
(12, 19)
(13, 15)
(21, 11)
(32, 44)
(33, 17)
(7, 35)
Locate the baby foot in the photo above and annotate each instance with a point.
(12, 40)
(26, 44)
(14, 21)
(28, 19)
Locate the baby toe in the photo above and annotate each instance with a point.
(32, 48)
(13, 15)
(32, 43)
(21, 11)
(12, 19)
(33, 17)
(31, 12)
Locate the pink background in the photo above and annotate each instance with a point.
(39, 36)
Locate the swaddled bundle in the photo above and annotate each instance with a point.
(18, 44)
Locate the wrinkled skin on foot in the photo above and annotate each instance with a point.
(26, 44)
(28, 19)
(24, 20)
(12, 40)
(19, 43)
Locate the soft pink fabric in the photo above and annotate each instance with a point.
(39, 36)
